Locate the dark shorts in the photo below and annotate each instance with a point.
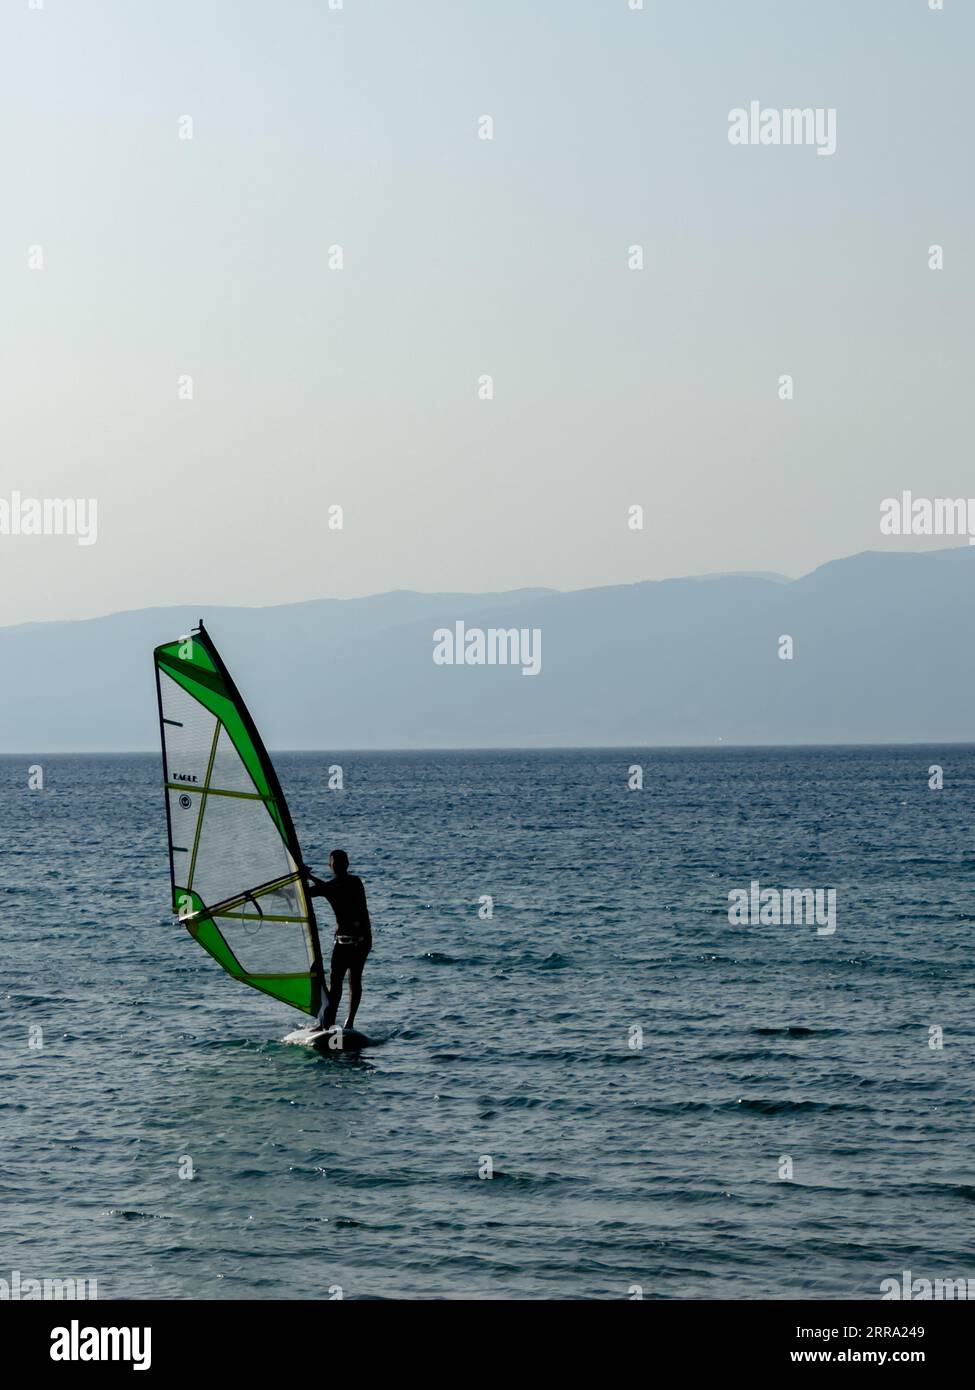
(348, 958)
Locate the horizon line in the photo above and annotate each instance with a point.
(718, 745)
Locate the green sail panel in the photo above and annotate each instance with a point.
(235, 860)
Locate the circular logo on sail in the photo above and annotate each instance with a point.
(185, 802)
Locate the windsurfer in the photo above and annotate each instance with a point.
(353, 933)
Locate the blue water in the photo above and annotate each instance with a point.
(506, 1038)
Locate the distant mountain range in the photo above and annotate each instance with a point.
(884, 652)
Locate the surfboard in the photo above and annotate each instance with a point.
(333, 1039)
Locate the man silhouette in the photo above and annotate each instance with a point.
(353, 933)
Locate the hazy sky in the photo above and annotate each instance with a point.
(359, 128)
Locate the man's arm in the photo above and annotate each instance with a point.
(316, 887)
(365, 913)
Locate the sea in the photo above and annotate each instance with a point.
(587, 1081)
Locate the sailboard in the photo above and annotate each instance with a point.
(236, 866)
(334, 1039)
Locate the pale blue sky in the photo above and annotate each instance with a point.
(464, 257)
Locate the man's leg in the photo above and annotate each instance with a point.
(355, 986)
(337, 970)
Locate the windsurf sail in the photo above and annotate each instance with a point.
(235, 861)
